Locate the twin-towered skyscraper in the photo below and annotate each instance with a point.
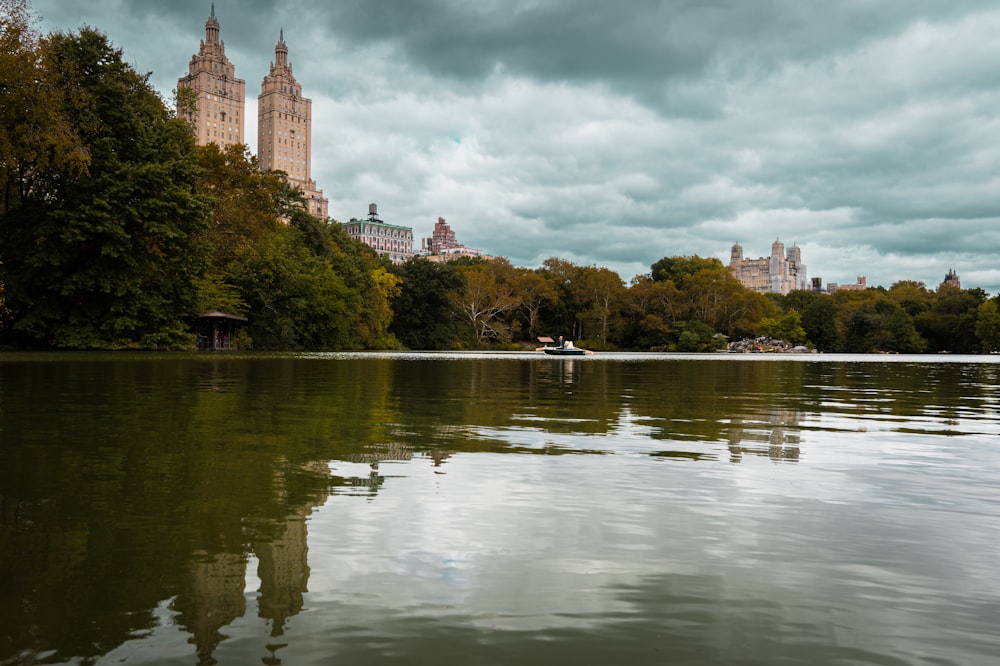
(216, 106)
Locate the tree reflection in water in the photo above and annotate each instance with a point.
(144, 495)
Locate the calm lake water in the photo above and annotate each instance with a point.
(499, 509)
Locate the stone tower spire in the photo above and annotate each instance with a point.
(213, 101)
(212, 29)
(281, 51)
(735, 254)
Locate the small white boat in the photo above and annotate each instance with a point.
(562, 349)
(565, 351)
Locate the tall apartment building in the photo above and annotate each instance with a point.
(215, 109)
(443, 245)
(389, 240)
(443, 238)
(284, 129)
(779, 274)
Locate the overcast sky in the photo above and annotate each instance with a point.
(614, 134)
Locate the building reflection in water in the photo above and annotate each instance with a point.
(215, 599)
(216, 594)
(439, 456)
(283, 571)
(372, 455)
(217, 587)
(775, 436)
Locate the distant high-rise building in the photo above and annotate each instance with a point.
(214, 107)
(443, 238)
(778, 274)
(443, 245)
(860, 285)
(389, 240)
(284, 129)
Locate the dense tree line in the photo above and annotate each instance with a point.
(117, 231)
(683, 304)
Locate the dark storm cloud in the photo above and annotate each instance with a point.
(618, 133)
(642, 48)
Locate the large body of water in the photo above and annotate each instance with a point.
(499, 509)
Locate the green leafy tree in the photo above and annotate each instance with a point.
(652, 309)
(848, 303)
(562, 317)
(904, 336)
(988, 326)
(322, 290)
(295, 299)
(690, 289)
(881, 325)
(244, 213)
(717, 299)
(798, 299)
(950, 323)
(424, 313)
(37, 134)
(217, 292)
(310, 286)
(600, 294)
(371, 285)
(369, 277)
(697, 336)
(819, 320)
(787, 327)
(677, 269)
(536, 291)
(911, 295)
(247, 204)
(385, 287)
(109, 259)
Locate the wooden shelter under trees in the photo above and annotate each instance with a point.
(216, 330)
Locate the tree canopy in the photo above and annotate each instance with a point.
(104, 256)
(117, 232)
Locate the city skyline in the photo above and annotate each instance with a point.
(859, 134)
